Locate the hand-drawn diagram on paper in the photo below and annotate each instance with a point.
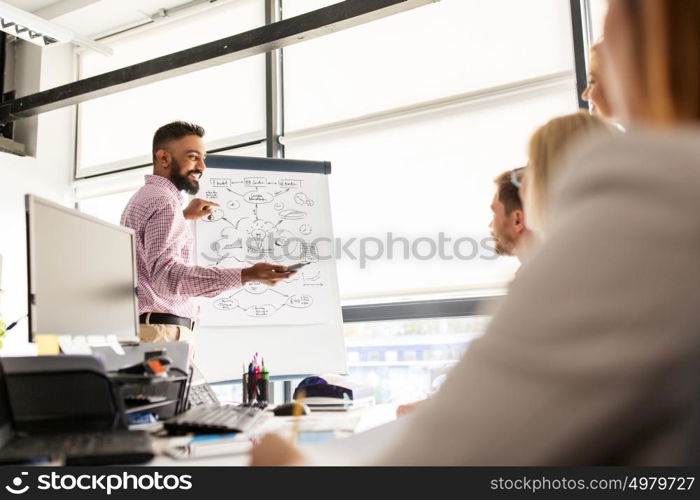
(275, 217)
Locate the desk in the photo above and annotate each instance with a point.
(342, 423)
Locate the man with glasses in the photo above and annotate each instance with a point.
(508, 228)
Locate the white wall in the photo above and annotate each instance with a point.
(47, 171)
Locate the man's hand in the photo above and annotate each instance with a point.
(198, 208)
(273, 449)
(269, 274)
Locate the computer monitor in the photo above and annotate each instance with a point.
(82, 273)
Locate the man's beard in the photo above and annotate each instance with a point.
(183, 182)
(503, 246)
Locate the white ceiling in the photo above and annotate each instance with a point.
(94, 17)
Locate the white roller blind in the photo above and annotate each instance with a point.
(227, 100)
(422, 175)
(437, 50)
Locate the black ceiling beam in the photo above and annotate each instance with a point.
(578, 30)
(257, 41)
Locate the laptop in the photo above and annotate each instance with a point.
(103, 447)
(200, 392)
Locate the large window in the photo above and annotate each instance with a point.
(418, 113)
(406, 360)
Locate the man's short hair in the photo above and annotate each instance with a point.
(172, 132)
(508, 192)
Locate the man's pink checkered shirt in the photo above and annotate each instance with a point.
(167, 278)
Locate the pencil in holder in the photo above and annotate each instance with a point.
(255, 389)
(245, 388)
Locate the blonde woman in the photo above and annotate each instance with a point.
(595, 93)
(547, 152)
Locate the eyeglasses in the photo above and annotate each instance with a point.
(516, 176)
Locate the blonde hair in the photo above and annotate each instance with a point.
(548, 147)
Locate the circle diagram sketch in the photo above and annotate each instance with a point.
(275, 217)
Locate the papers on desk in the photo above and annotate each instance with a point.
(335, 404)
(341, 423)
(209, 446)
(313, 429)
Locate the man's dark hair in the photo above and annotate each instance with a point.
(508, 193)
(172, 132)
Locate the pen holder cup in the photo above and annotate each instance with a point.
(256, 390)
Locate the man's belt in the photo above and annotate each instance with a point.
(166, 319)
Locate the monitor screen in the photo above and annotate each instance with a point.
(82, 274)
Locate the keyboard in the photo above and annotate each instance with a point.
(92, 448)
(202, 394)
(210, 419)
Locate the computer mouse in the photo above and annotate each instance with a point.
(287, 409)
